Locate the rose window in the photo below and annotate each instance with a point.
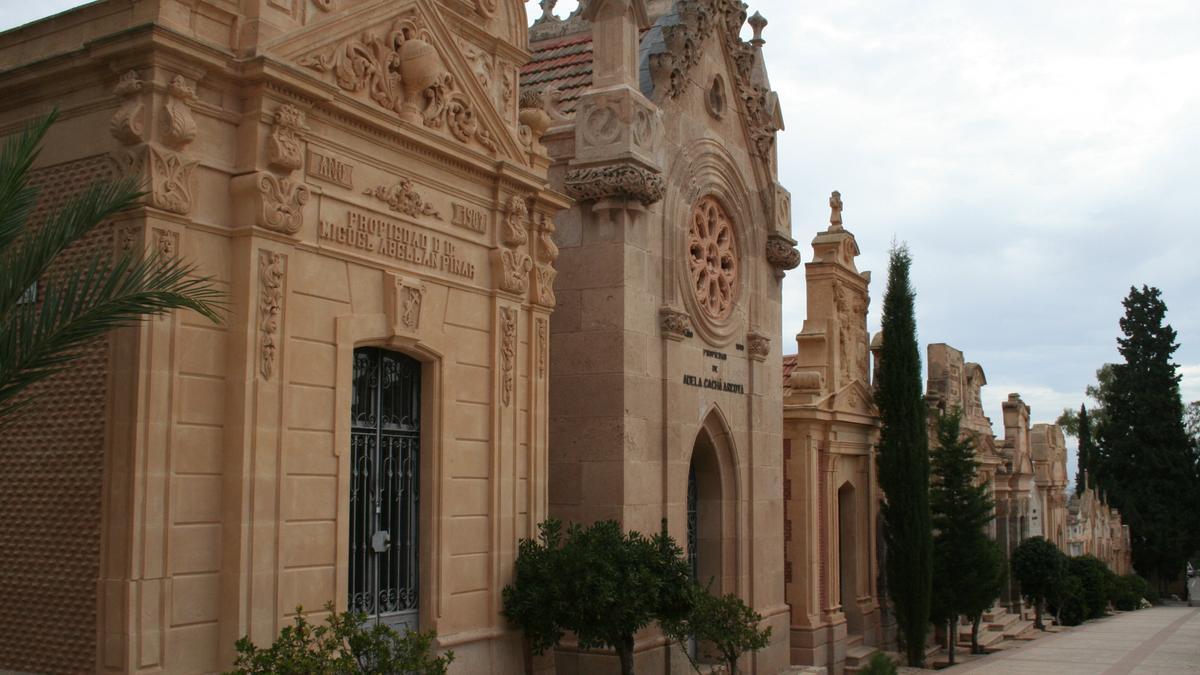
(712, 258)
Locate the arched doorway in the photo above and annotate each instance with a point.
(848, 545)
(706, 513)
(385, 441)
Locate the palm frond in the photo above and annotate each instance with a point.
(30, 258)
(39, 341)
(17, 199)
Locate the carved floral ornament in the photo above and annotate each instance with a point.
(402, 72)
(283, 145)
(620, 181)
(508, 352)
(402, 198)
(165, 175)
(283, 203)
(782, 254)
(675, 323)
(270, 306)
(712, 258)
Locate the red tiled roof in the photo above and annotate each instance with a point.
(565, 63)
(789, 364)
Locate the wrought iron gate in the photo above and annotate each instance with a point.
(385, 440)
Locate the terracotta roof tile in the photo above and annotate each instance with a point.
(789, 364)
(564, 63)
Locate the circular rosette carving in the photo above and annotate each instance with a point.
(712, 259)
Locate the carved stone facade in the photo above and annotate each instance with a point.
(831, 429)
(668, 301)
(1095, 528)
(348, 186)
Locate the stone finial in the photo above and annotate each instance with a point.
(548, 15)
(758, 22)
(835, 215)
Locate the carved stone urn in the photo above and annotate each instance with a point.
(420, 67)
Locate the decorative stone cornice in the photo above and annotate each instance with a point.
(618, 181)
(782, 254)
(675, 323)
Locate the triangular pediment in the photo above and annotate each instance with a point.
(402, 58)
(855, 398)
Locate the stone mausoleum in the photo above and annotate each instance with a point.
(666, 398)
(369, 425)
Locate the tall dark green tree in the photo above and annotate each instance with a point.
(1086, 450)
(1146, 462)
(960, 510)
(904, 462)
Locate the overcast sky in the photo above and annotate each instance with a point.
(1037, 157)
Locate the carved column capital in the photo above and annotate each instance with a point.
(624, 181)
(758, 346)
(782, 254)
(675, 323)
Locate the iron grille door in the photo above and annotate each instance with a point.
(385, 440)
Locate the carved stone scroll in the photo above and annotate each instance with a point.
(128, 124)
(543, 348)
(179, 127)
(283, 200)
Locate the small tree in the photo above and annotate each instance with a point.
(725, 622)
(961, 509)
(992, 573)
(1039, 567)
(346, 645)
(904, 462)
(600, 583)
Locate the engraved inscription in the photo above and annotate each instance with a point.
(330, 170)
(714, 384)
(465, 216)
(392, 240)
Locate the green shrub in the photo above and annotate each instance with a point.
(1071, 603)
(1128, 592)
(1039, 567)
(725, 622)
(599, 582)
(1097, 581)
(880, 664)
(344, 646)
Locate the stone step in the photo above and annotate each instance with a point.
(1003, 621)
(1018, 629)
(859, 656)
(987, 638)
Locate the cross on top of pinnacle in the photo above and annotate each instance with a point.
(835, 215)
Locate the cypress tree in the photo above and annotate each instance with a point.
(1144, 452)
(1085, 452)
(904, 462)
(960, 510)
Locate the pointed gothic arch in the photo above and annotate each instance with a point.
(713, 505)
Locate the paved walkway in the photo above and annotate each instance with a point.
(1157, 641)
